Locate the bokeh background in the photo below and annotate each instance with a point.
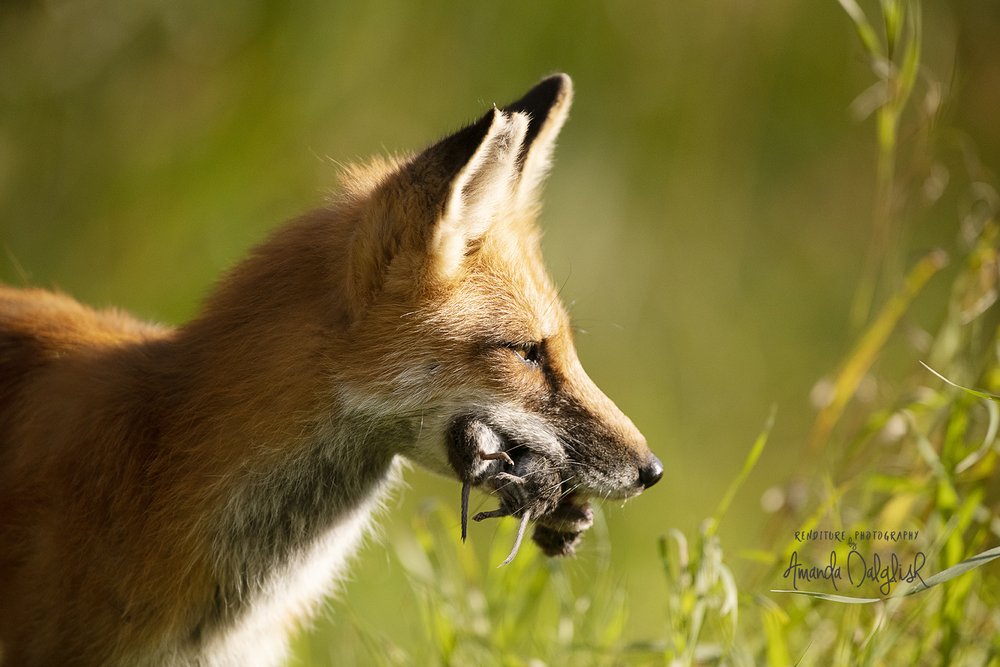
(708, 213)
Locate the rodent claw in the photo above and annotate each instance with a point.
(493, 456)
(509, 478)
(492, 514)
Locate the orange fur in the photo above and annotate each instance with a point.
(186, 495)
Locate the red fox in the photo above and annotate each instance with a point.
(187, 496)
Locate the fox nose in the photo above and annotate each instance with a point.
(651, 473)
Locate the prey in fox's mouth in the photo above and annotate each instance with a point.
(531, 486)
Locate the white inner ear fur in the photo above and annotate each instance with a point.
(539, 158)
(479, 192)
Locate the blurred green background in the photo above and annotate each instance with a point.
(708, 212)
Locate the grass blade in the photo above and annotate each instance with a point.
(865, 31)
(748, 466)
(867, 349)
(974, 392)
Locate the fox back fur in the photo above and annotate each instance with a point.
(186, 496)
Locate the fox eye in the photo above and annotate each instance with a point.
(529, 353)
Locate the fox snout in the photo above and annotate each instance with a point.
(607, 460)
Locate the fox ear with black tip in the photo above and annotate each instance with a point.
(547, 107)
(435, 210)
(497, 166)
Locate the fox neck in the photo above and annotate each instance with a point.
(287, 533)
(293, 473)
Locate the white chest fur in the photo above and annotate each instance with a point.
(291, 593)
(282, 546)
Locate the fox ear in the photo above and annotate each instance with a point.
(547, 106)
(432, 211)
(476, 172)
(496, 163)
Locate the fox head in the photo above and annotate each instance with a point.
(462, 333)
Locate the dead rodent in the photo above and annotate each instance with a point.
(530, 486)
